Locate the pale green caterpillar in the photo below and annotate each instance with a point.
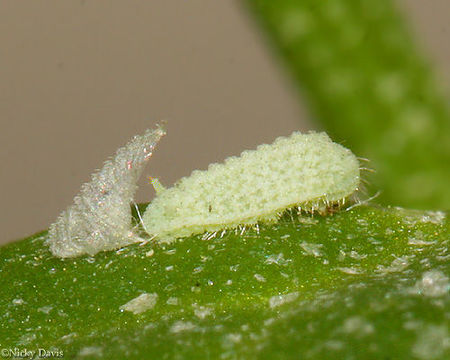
(304, 171)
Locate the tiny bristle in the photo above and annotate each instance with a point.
(367, 169)
(360, 202)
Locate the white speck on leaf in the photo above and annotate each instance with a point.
(141, 303)
(434, 283)
(279, 300)
(259, 277)
(180, 326)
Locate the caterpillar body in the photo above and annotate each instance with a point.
(100, 216)
(306, 171)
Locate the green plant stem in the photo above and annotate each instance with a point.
(366, 82)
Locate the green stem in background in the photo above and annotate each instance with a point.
(368, 283)
(359, 68)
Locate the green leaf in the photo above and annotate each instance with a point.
(369, 86)
(364, 283)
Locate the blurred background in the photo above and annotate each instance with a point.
(79, 78)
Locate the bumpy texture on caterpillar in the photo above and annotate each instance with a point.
(100, 217)
(303, 170)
